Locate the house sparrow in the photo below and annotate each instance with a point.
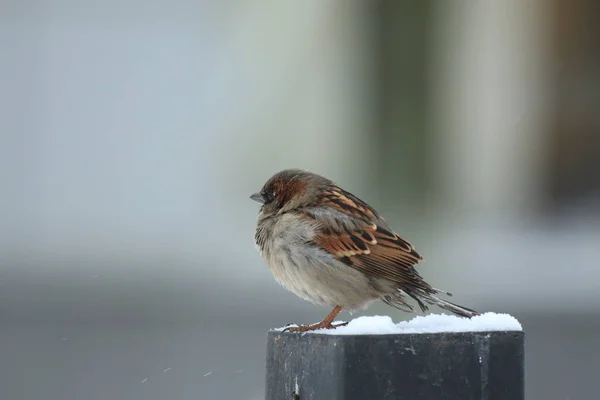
(329, 247)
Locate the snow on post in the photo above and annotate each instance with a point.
(427, 358)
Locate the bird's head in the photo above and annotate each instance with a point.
(289, 189)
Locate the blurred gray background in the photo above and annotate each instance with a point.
(133, 132)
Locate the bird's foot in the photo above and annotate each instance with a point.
(313, 327)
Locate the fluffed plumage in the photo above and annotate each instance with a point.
(329, 247)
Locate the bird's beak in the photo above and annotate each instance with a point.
(258, 198)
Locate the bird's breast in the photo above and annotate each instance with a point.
(309, 271)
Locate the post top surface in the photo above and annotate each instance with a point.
(432, 323)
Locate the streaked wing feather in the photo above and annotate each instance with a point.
(372, 249)
(378, 257)
(346, 202)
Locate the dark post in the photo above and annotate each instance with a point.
(424, 366)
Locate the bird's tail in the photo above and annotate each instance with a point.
(453, 308)
(428, 296)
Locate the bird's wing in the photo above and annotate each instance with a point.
(369, 247)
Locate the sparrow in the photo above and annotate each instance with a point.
(329, 247)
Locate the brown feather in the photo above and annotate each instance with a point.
(348, 203)
(390, 259)
(371, 248)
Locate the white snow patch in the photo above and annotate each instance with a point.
(432, 323)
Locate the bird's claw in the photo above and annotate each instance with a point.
(313, 327)
(288, 327)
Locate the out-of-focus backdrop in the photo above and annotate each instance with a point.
(133, 132)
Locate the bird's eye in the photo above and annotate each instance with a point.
(268, 196)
